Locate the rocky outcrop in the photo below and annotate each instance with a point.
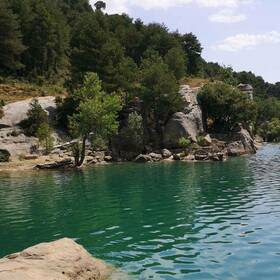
(16, 112)
(237, 143)
(187, 123)
(16, 143)
(59, 260)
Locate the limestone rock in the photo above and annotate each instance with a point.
(16, 112)
(63, 259)
(143, 158)
(187, 123)
(155, 156)
(166, 153)
(108, 158)
(207, 140)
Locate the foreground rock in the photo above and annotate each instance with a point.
(59, 260)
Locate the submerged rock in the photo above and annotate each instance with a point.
(59, 260)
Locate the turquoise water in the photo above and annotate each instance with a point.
(155, 221)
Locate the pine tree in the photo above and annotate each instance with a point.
(10, 40)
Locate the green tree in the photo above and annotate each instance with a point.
(46, 35)
(96, 117)
(10, 40)
(132, 135)
(44, 133)
(159, 91)
(193, 49)
(176, 61)
(273, 130)
(36, 116)
(226, 107)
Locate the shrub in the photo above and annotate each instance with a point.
(44, 134)
(184, 143)
(36, 116)
(132, 136)
(200, 140)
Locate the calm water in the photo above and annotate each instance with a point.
(156, 221)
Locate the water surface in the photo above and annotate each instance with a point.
(155, 221)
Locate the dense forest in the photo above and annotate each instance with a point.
(61, 41)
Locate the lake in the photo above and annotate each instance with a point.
(155, 221)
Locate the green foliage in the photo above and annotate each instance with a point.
(132, 135)
(272, 130)
(44, 133)
(184, 142)
(226, 107)
(200, 140)
(36, 116)
(96, 116)
(193, 49)
(159, 91)
(10, 40)
(4, 156)
(176, 61)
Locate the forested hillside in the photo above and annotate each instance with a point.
(57, 42)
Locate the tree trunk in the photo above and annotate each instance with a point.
(82, 153)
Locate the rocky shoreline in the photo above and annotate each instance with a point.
(25, 153)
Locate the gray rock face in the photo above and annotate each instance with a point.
(16, 144)
(63, 259)
(16, 112)
(143, 158)
(187, 123)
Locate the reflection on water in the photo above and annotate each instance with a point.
(156, 221)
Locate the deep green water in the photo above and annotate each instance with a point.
(156, 221)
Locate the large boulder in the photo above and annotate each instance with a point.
(63, 259)
(187, 123)
(143, 158)
(16, 112)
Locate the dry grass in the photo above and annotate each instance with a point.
(194, 82)
(12, 91)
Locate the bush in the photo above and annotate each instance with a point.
(184, 143)
(132, 136)
(1, 113)
(44, 134)
(226, 107)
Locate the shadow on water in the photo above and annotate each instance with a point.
(155, 221)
